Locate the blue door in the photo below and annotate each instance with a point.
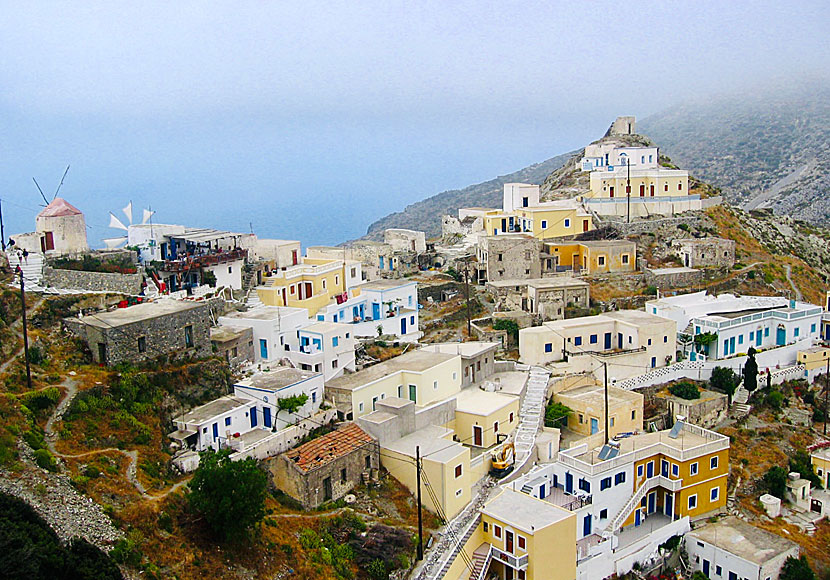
(619, 340)
(668, 504)
(555, 481)
(215, 431)
(263, 348)
(253, 416)
(586, 525)
(780, 336)
(637, 517)
(758, 338)
(652, 502)
(706, 568)
(542, 491)
(403, 326)
(664, 468)
(266, 416)
(607, 341)
(380, 262)
(569, 483)
(732, 345)
(376, 311)
(650, 469)
(594, 425)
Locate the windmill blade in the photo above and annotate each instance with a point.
(147, 215)
(40, 190)
(113, 243)
(61, 183)
(128, 211)
(116, 223)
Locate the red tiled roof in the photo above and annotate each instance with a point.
(329, 447)
(59, 208)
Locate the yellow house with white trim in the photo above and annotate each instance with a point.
(821, 465)
(310, 285)
(547, 220)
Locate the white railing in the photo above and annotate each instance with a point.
(648, 485)
(515, 562)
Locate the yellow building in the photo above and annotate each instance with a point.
(310, 285)
(814, 358)
(547, 220)
(821, 465)
(625, 410)
(482, 417)
(420, 376)
(591, 257)
(640, 191)
(519, 537)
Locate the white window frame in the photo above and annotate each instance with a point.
(694, 469)
(716, 491)
(689, 502)
(713, 462)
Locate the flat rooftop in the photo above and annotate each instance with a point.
(385, 284)
(524, 511)
(606, 243)
(744, 540)
(210, 410)
(594, 395)
(474, 401)
(276, 379)
(325, 327)
(139, 312)
(636, 317)
(227, 332)
(266, 313)
(670, 271)
(555, 282)
(197, 235)
(435, 442)
(465, 349)
(414, 361)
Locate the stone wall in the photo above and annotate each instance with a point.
(647, 225)
(512, 258)
(92, 281)
(705, 252)
(673, 277)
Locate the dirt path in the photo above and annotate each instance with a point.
(132, 467)
(17, 323)
(787, 269)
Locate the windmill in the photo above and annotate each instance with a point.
(119, 241)
(56, 191)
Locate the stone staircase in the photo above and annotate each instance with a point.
(457, 546)
(252, 299)
(740, 408)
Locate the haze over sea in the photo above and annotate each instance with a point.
(310, 128)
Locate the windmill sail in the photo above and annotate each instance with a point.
(128, 211)
(116, 223)
(147, 215)
(115, 242)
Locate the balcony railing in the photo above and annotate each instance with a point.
(515, 562)
(203, 260)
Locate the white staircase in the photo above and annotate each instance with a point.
(456, 548)
(32, 266)
(740, 408)
(252, 300)
(481, 560)
(531, 414)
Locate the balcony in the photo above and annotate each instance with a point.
(515, 562)
(188, 263)
(570, 501)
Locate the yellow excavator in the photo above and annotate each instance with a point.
(502, 461)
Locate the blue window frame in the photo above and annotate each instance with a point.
(813, 327)
(593, 339)
(567, 223)
(605, 483)
(578, 341)
(585, 485)
(740, 339)
(796, 331)
(675, 470)
(548, 347)
(666, 338)
(751, 336)
(619, 478)
(320, 317)
(766, 332)
(227, 421)
(653, 362)
(335, 340)
(544, 224)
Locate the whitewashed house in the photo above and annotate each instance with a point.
(274, 329)
(325, 347)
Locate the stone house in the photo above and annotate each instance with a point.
(478, 359)
(705, 252)
(233, 343)
(544, 298)
(326, 468)
(405, 240)
(509, 257)
(707, 411)
(146, 331)
(60, 229)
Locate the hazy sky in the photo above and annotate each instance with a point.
(310, 120)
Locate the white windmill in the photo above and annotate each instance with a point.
(118, 224)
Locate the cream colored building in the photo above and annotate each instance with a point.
(311, 285)
(625, 410)
(630, 341)
(821, 465)
(640, 191)
(482, 418)
(60, 229)
(420, 376)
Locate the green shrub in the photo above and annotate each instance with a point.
(556, 415)
(774, 400)
(377, 570)
(45, 460)
(775, 481)
(685, 390)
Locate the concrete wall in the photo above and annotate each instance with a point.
(405, 240)
(707, 412)
(93, 281)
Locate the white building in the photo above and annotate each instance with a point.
(214, 424)
(605, 154)
(391, 305)
(741, 322)
(732, 549)
(325, 347)
(274, 328)
(267, 388)
(519, 195)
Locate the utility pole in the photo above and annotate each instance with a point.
(2, 231)
(826, 393)
(628, 191)
(605, 368)
(467, 296)
(420, 517)
(25, 330)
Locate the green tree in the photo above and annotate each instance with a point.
(797, 569)
(511, 326)
(698, 575)
(229, 495)
(291, 404)
(725, 380)
(555, 413)
(775, 481)
(703, 340)
(685, 390)
(751, 372)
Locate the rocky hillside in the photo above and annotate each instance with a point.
(426, 215)
(763, 150)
